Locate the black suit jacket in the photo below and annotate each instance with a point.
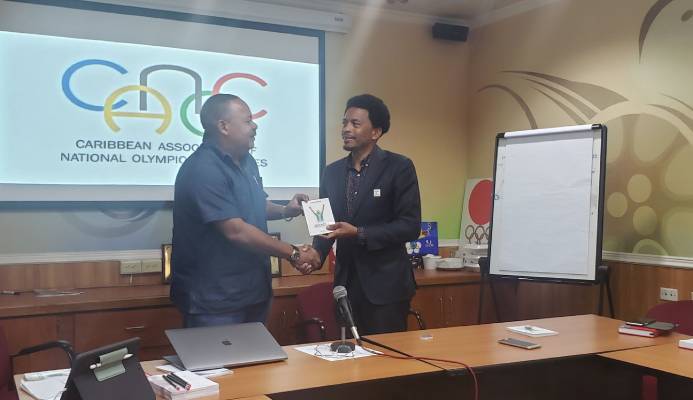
(388, 207)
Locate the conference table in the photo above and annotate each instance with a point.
(477, 345)
(669, 358)
(565, 366)
(672, 365)
(302, 373)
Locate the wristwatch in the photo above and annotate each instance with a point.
(295, 254)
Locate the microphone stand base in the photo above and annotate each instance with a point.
(342, 346)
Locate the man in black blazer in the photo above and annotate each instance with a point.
(374, 195)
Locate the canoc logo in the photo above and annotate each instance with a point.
(113, 103)
(319, 214)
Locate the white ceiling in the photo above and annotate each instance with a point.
(448, 9)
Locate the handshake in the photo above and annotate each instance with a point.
(308, 261)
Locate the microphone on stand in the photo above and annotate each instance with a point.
(342, 346)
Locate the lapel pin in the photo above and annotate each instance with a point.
(376, 192)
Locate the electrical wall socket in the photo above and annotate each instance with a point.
(668, 294)
(130, 267)
(153, 265)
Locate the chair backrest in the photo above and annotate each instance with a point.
(5, 373)
(679, 312)
(317, 301)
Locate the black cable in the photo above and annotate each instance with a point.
(373, 342)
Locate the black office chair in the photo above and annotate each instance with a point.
(317, 314)
(7, 388)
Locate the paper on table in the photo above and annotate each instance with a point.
(323, 351)
(207, 373)
(531, 330)
(48, 388)
(319, 215)
(55, 292)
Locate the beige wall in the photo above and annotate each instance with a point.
(423, 82)
(580, 62)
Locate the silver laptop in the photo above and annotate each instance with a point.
(224, 346)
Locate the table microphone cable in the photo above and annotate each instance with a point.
(427, 360)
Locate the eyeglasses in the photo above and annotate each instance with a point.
(323, 350)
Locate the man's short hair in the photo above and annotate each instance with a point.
(377, 110)
(214, 109)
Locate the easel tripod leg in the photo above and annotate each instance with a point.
(604, 283)
(481, 300)
(494, 298)
(495, 301)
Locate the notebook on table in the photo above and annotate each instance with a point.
(646, 327)
(224, 346)
(199, 386)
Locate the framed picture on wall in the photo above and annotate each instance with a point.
(166, 262)
(275, 262)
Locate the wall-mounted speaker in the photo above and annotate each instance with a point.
(456, 33)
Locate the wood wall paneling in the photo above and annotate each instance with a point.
(31, 331)
(74, 275)
(283, 319)
(635, 288)
(96, 329)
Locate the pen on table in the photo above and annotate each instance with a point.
(11, 292)
(171, 382)
(98, 365)
(180, 381)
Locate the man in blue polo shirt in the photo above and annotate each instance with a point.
(220, 262)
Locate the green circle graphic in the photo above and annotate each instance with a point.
(184, 115)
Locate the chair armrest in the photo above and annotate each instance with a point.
(315, 321)
(419, 319)
(62, 344)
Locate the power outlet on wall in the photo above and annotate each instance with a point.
(668, 294)
(130, 267)
(153, 265)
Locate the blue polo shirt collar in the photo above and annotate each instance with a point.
(225, 156)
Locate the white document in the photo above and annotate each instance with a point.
(207, 373)
(531, 330)
(319, 215)
(49, 388)
(323, 351)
